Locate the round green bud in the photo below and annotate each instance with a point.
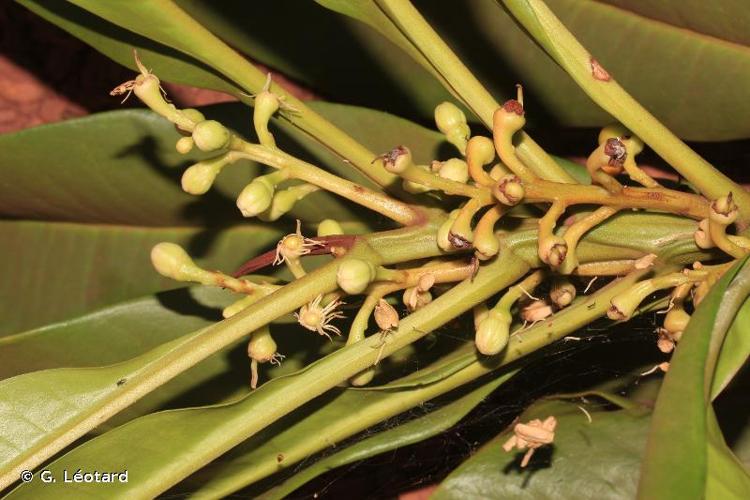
(363, 378)
(199, 178)
(486, 245)
(239, 305)
(281, 203)
(562, 293)
(171, 261)
(676, 320)
(193, 115)
(451, 121)
(493, 332)
(455, 169)
(184, 145)
(255, 198)
(329, 227)
(354, 275)
(448, 117)
(480, 149)
(210, 135)
(552, 250)
(266, 104)
(262, 347)
(509, 190)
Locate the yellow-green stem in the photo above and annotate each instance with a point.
(463, 83)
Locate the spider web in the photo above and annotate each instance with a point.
(603, 353)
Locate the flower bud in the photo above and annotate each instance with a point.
(170, 260)
(723, 210)
(509, 190)
(184, 145)
(193, 115)
(239, 305)
(198, 178)
(486, 244)
(563, 292)
(266, 104)
(354, 275)
(451, 121)
(210, 135)
(255, 198)
(283, 201)
(262, 347)
(190, 118)
(454, 169)
(397, 160)
(481, 150)
(553, 250)
(443, 234)
(480, 312)
(676, 320)
(329, 227)
(703, 235)
(493, 332)
(363, 378)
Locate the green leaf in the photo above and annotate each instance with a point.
(118, 44)
(123, 331)
(115, 192)
(113, 334)
(126, 330)
(212, 431)
(193, 432)
(686, 453)
(164, 22)
(597, 460)
(58, 270)
(351, 71)
(665, 53)
(411, 432)
(604, 90)
(735, 350)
